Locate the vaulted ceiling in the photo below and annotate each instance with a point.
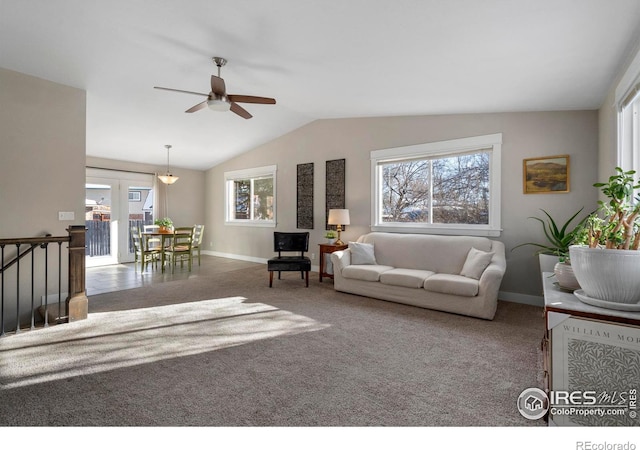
(318, 59)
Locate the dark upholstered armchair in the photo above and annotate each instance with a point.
(290, 242)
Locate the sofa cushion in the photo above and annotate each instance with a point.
(437, 253)
(362, 253)
(410, 278)
(365, 272)
(476, 262)
(452, 284)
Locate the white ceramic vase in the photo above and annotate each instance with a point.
(605, 274)
(565, 276)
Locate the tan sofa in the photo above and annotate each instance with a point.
(429, 271)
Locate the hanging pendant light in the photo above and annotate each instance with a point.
(168, 178)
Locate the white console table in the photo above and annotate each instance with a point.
(587, 348)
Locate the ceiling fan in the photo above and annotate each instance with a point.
(219, 100)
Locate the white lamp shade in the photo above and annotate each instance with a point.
(168, 178)
(339, 217)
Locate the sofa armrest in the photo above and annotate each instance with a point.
(340, 260)
(491, 278)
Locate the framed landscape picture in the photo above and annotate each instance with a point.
(547, 175)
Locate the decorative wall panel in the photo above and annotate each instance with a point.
(335, 186)
(305, 196)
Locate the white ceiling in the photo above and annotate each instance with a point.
(318, 59)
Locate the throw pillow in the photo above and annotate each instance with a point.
(362, 253)
(476, 262)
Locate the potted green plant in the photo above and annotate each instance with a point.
(330, 236)
(165, 224)
(559, 238)
(554, 254)
(606, 257)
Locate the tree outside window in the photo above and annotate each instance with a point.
(250, 196)
(448, 187)
(443, 190)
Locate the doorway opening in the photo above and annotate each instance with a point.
(114, 202)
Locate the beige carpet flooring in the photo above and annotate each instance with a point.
(222, 349)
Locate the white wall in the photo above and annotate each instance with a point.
(608, 120)
(42, 148)
(186, 196)
(42, 160)
(525, 135)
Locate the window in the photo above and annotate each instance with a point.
(628, 102)
(448, 187)
(629, 133)
(250, 196)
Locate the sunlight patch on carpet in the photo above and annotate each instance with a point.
(112, 340)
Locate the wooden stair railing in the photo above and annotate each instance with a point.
(76, 303)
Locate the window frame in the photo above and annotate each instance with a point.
(229, 203)
(491, 143)
(627, 94)
(629, 135)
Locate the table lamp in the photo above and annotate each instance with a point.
(339, 217)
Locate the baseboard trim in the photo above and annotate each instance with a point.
(513, 297)
(234, 256)
(526, 299)
(245, 258)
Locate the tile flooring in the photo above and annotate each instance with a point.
(119, 277)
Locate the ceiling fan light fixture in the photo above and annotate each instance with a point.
(218, 100)
(168, 178)
(218, 104)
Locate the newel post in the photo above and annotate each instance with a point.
(77, 302)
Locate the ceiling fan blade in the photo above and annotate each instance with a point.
(217, 85)
(197, 107)
(251, 99)
(179, 90)
(239, 110)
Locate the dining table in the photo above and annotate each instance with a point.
(164, 235)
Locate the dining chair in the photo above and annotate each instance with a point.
(180, 248)
(198, 232)
(153, 242)
(141, 250)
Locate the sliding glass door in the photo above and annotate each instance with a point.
(115, 201)
(139, 212)
(100, 217)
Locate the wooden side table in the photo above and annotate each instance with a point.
(328, 249)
